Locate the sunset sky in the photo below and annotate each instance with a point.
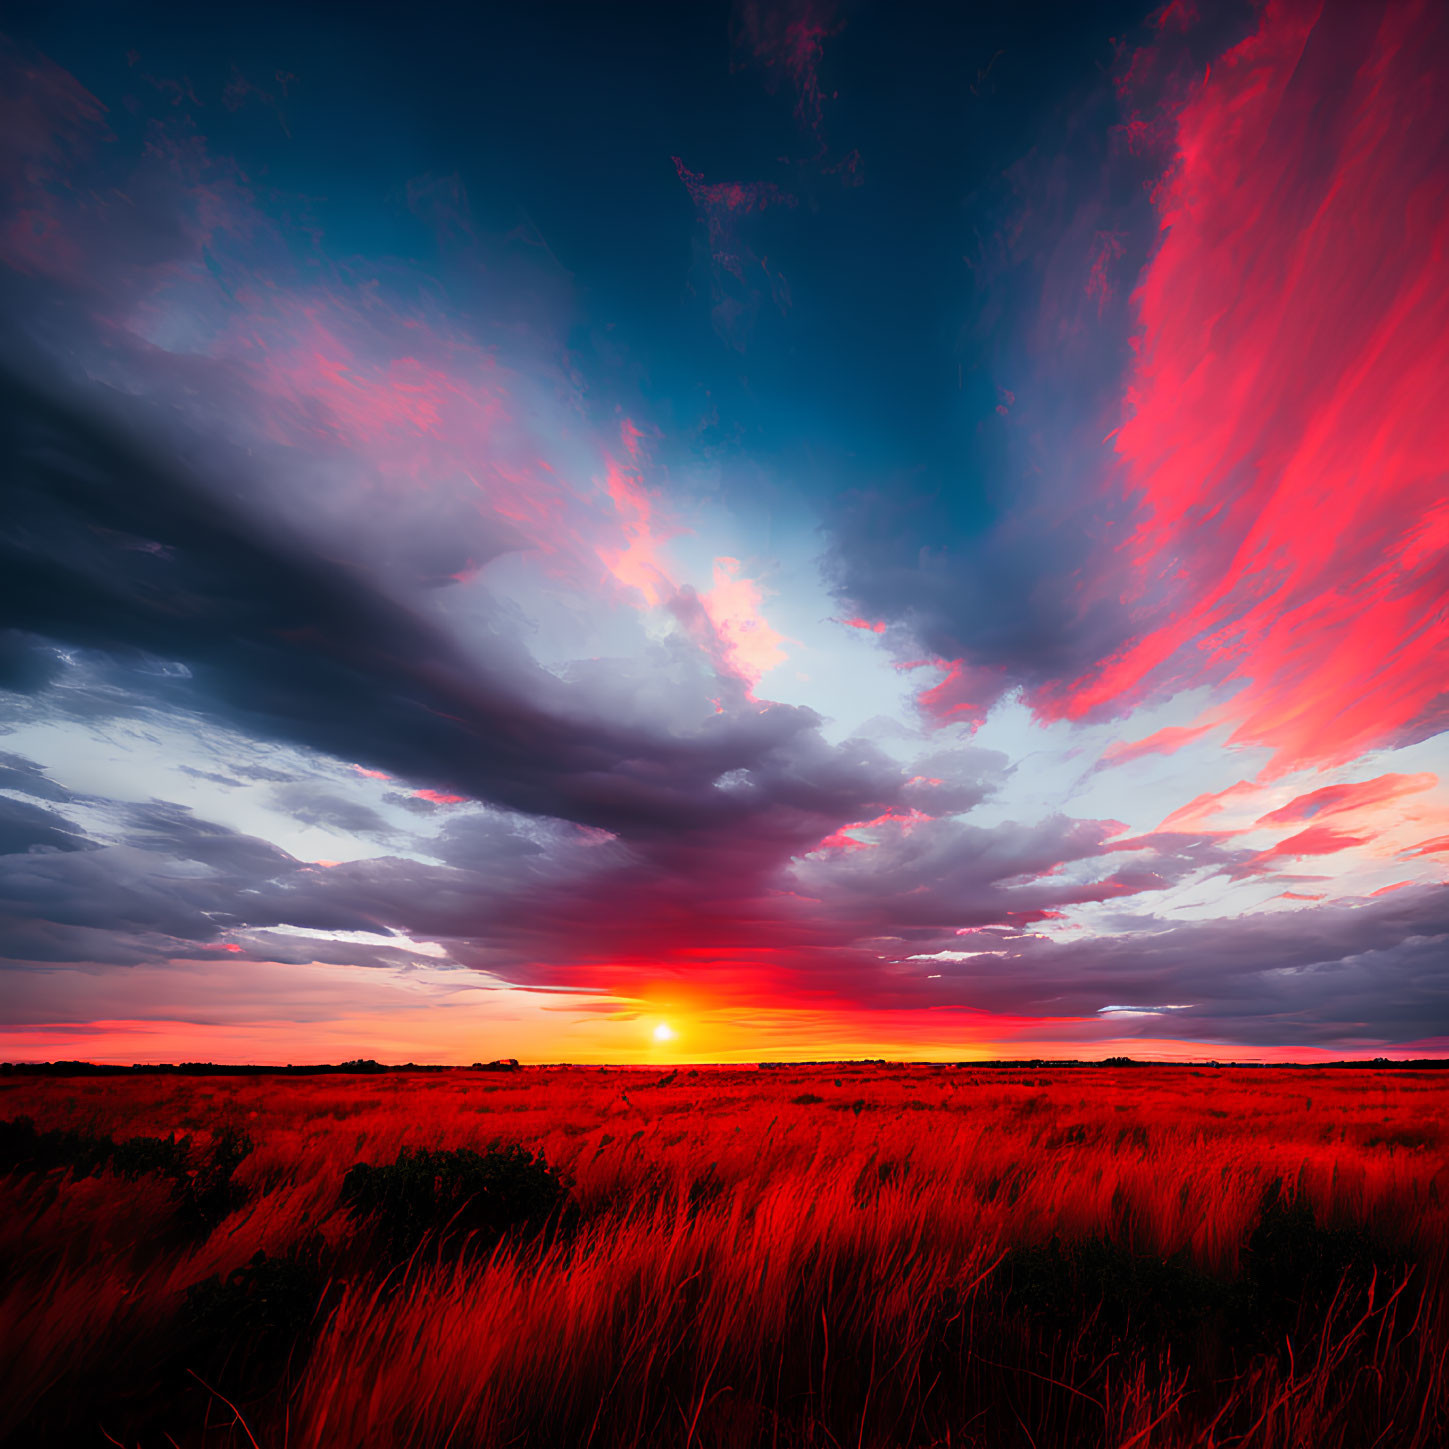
(833, 528)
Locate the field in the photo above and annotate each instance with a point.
(805, 1256)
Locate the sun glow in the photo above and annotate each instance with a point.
(663, 1032)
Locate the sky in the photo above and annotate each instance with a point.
(786, 529)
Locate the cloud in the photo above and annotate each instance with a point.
(25, 777)
(316, 805)
(755, 912)
(1316, 840)
(1268, 517)
(1289, 535)
(29, 828)
(1368, 972)
(1344, 799)
(254, 494)
(547, 902)
(124, 553)
(1162, 742)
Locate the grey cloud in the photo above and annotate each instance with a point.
(25, 827)
(315, 805)
(211, 777)
(283, 644)
(27, 778)
(548, 904)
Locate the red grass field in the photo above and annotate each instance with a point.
(822, 1256)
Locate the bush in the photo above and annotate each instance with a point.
(1294, 1265)
(207, 1191)
(1115, 1295)
(136, 1156)
(23, 1148)
(1293, 1268)
(458, 1198)
(201, 1185)
(261, 1314)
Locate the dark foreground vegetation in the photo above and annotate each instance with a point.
(1119, 1256)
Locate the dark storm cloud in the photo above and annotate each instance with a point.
(130, 890)
(27, 778)
(1372, 969)
(545, 902)
(993, 537)
(173, 831)
(112, 548)
(982, 545)
(26, 827)
(934, 914)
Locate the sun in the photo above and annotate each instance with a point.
(663, 1032)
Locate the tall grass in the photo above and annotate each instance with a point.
(803, 1257)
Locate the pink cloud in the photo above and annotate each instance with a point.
(1316, 840)
(1291, 531)
(639, 564)
(1164, 742)
(1192, 815)
(1341, 799)
(752, 647)
(964, 696)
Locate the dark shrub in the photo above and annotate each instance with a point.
(458, 1198)
(1120, 1296)
(1294, 1265)
(202, 1184)
(24, 1148)
(806, 1099)
(259, 1316)
(207, 1191)
(136, 1156)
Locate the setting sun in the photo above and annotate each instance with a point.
(663, 1032)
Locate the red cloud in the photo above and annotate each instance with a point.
(1191, 816)
(964, 696)
(1316, 840)
(1338, 799)
(1287, 428)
